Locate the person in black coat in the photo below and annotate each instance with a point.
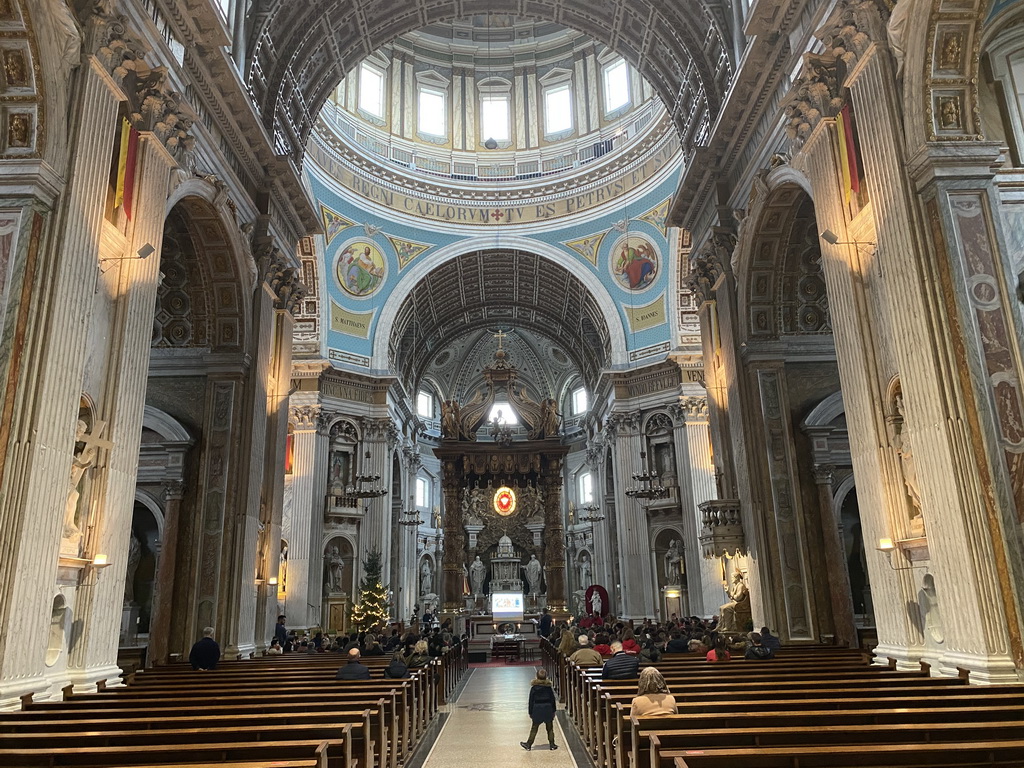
(621, 666)
(546, 624)
(354, 670)
(205, 653)
(542, 710)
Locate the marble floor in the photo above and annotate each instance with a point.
(488, 720)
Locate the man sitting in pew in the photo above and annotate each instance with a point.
(621, 666)
(206, 652)
(354, 669)
(757, 649)
(768, 640)
(586, 656)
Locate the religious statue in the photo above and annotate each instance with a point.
(477, 574)
(596, 607)
(335, 569)
(908, 466)
(549, 418)
(533, 570)
(672, 563)
(87, 445)
(450, 415)
(282, 568)
(738, 607)
(465, 580)
(584, 567)
(579, 606)
(134, 555)
(426, 578)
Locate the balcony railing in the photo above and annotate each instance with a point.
(721, 528)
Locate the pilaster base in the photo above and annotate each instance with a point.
(984, 670)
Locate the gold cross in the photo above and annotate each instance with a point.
(500, 336)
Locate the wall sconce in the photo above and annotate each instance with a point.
(832, 238)
(273, 581)
(888, 546)
(100, 561)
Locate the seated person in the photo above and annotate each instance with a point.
(650, 653)
(601, 644)
(677, 643)
(720, 652)
(768, 640)
(586, 656)
(757, 649)
(205, 653)
(652, 695)
(621, 666)
(275, 648)
(354, 669)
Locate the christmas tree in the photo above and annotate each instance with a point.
(372, 609)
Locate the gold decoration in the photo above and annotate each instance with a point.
(950, 115)
(15, 68)
(334, 223)
(952, 50)
(587, 247)
(19, 129)
(658, 216)
(406, 250)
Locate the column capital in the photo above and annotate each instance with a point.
(709, 262)
(690, 409)
(379, 430)
(623, 423)
(173, 490)
(304, 417)
(824, 474)
(281, 277)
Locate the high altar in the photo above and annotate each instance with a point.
(502, 500)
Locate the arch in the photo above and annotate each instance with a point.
(841, 492)
(827, 411)
(150, 502)
(780, 284)
(679, 48)
(420, 270)
(205, 297)
(165, 425)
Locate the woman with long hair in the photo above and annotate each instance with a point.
(652, 695)
(721, 650)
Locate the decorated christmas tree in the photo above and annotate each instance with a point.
(372, 609)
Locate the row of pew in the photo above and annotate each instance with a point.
(810, 707)
(283, 711)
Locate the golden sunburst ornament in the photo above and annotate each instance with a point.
(504, 501)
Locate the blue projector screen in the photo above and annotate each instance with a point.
(507, 606)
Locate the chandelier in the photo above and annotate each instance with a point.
(647, 486)
(410, 516)
(374, 491)
(592, 514)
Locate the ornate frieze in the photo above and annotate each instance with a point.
(304, 417)
(709, 262)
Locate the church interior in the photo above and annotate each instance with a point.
(486, 319)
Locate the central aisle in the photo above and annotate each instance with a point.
(487, 722)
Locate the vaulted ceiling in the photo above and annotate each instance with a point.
(504, 289)
(301, 49)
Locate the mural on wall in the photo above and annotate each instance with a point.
(406, 250)
(588, 247)
(361, 268)
(334, 223)
(635, 262)
(658, 216)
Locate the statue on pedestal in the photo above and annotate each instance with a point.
(584, 571)
(335, 569)
(477, 574)
(737, 609)
(533, 571)
(426, 578)
(672, 563)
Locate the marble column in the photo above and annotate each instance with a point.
(840, 594)
(554, 534)
(454, 537)
(379, 440)
(166, 567)
(46, 394)
(693, 449)
(636, 590)
(304, 552)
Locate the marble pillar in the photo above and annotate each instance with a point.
(554, 535)
(304, 552)
(840, 594)
(454, 537)
(163, 593)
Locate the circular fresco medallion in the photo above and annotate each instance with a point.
(361, 268)
(634, 262)
(504, 501)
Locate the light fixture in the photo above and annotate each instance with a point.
(375, 491)
(272, 581)
(887, 547)
(410, 516)
(100, 561)
(142, 254)
(593, 514)
(647, 485)
(832, 238)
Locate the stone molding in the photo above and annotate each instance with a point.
(623, 424)
(305, 417)
(690, 409)
(379, 430)
(708, 263)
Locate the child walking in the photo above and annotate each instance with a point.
(542, 709)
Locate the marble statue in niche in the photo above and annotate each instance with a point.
(335, 569)
(673, 563)
(282, 568)
(533, 573)
(426, 578)
(477, 574)
(585, 570)
(596, 606)
(87, 445)
(908, 466)
(930, 613)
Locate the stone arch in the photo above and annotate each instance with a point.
(680, 48)
(151, 503)
(780, 282)
(204, 299)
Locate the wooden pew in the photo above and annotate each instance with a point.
(940, 755)
(331, 753)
